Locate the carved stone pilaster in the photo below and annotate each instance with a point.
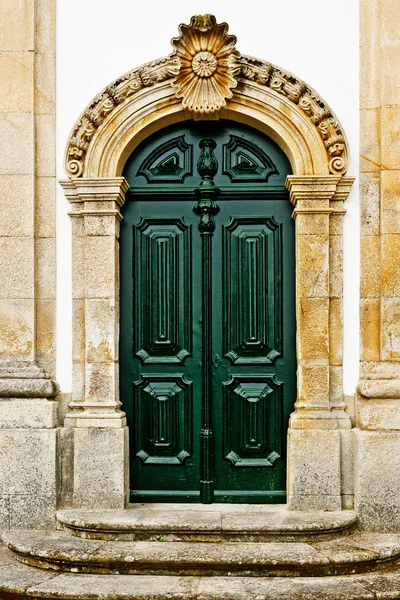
(100, 435)
(314, 464)
(337, 403)
(311, 197)
(95, 218)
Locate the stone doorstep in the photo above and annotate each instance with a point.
(20, 581)
(354, 554)
(209, 523)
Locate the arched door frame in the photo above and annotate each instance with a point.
(301, 123)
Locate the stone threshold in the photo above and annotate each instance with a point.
(216, 522)
(359, 553)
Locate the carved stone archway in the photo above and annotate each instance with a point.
(206, 78)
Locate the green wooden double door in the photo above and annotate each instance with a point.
(207, 344)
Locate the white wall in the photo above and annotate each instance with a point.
(97, 41)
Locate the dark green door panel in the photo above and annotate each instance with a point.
(159, 378)
(162, 290)
(252, 303)
(254, 338)
(249, 296)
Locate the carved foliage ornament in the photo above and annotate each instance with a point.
(204, 69)
(105, 103)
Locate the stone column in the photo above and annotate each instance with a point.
(28, 409)
(336, 397)
(337, 403)
(100, 432)
(27, 183)
(314, 440)
(378, 400)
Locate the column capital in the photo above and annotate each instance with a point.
(343, 189)
(312, 187)
(95, 190)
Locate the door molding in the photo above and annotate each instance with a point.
(111, 127)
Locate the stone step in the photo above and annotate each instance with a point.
(216, 522)
(18, 581)
(354, 554)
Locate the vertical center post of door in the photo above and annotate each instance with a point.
(206, 208)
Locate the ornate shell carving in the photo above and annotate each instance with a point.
(209, 64)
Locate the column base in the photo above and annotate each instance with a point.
(87, 414)
(101, 467)
(377, 498)
(25, 379)
(314, 469)
(29, 441)
(86, 420)
(312, 418)
(29, 478)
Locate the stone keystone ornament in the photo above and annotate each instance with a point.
(209, 64)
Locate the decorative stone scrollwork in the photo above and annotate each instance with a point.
(286, 84)
(313, 107)
(204, 70)
(334, 141)
(255, 69)
(104, 103)
(310, 103)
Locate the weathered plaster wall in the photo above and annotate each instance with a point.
(284, 34)
(378, 402)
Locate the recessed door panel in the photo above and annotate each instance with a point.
(162, 290)
(252, 413)
(252, 301)
(163, 419)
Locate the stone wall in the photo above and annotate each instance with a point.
(378, 402)
(28, 411)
